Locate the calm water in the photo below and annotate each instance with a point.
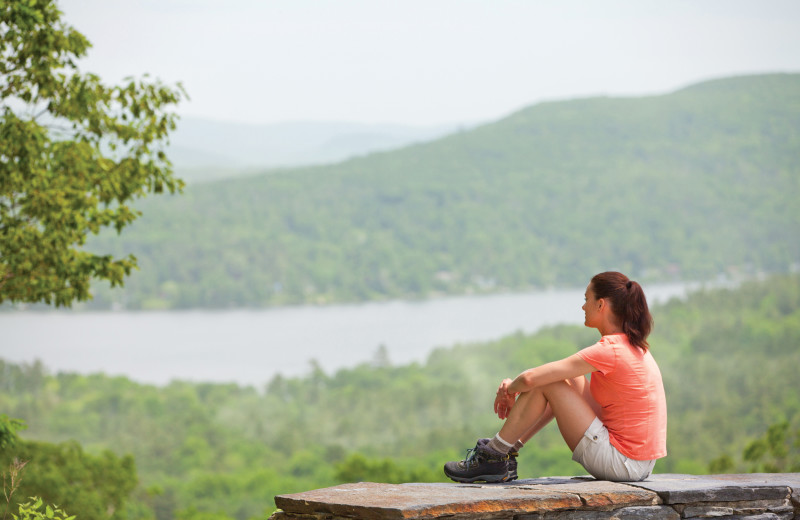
(251, 346)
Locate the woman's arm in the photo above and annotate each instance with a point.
(567, 368)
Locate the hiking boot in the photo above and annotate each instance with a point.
(512, 459)
(481, 464)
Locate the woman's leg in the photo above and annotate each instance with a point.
(530, 413)
(564, 400)
(543, 421)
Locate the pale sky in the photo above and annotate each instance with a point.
(427, 62)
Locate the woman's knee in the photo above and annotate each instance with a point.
(563, 389)
(557, 386)
(565, 396)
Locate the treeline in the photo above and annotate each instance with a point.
(201, 451)
(689, 185)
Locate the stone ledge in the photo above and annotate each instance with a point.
(663, 496)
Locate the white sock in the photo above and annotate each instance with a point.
(498, 444)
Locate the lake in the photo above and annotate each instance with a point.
(251, 346)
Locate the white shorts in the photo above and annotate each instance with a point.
(604, 462)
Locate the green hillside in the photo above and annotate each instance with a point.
(693, 184)
(729, 360)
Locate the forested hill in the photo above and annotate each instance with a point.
(702, 181)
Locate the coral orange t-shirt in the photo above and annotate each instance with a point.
(627, 385)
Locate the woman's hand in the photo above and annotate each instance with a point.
(504, 400)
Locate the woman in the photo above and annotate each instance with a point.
(615, 425)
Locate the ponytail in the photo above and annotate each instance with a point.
(628, 303)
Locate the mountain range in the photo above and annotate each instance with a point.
(695, 184)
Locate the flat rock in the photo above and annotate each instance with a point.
(685, 489)
(400, 501)
(661, 497)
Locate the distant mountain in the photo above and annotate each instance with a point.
(207, 149)
(699, 183)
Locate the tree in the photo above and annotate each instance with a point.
(74, 153)
(777, 451)
(8, 431)
(95, 486)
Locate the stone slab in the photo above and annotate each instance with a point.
(421, 501)
(661, 497)
(401, 501)
(685, 489)
(595, 494)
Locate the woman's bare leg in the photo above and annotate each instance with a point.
(564, 400)
(543, 421)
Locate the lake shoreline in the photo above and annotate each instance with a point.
(251, 346)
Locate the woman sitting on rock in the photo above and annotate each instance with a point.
(615, 425)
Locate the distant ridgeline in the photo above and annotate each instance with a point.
(689, 185)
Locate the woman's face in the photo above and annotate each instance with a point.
(591, 309)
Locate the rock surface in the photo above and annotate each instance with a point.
(664, 496)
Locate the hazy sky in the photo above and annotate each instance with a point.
(427, 62)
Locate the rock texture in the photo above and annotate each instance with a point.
(661, 497)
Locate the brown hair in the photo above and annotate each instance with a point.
(628, 303)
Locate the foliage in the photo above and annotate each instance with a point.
(727, 357)
(32, 510)
(678, 186)
(359, 468)
(777, 451)
(74, 154)
(96, 486)
(8, 431)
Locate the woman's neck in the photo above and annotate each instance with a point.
(608, 328)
